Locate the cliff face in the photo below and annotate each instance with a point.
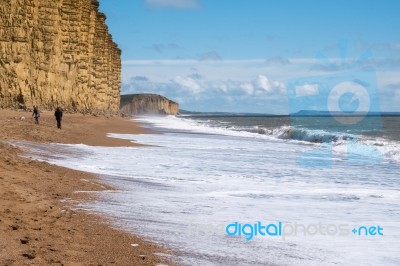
(57, 53)
(135, 104)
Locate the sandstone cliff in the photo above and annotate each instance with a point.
(57, 53)
(135, 104)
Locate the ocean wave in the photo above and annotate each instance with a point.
(301, 134)
(355, 146)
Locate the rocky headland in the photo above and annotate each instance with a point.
(149, 104)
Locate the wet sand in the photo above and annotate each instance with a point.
(39, 224)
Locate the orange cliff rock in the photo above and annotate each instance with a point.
(147, 103)
(58, 53)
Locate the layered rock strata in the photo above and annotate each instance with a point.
(57, 53)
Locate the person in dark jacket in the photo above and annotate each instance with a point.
(36, 114)
(58, 114)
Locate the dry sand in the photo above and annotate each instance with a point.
(37, 227)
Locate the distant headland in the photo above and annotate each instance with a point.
(148, 104)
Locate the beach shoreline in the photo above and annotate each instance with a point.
(39, 221)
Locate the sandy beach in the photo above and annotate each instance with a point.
(37, 225)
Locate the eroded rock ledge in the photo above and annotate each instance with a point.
(57, 53)
(152, 104)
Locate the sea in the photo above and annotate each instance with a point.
(251, 189)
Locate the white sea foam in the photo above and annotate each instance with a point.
(344, 143)
(187, 187)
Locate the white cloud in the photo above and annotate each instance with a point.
(188, 84)
(281, 86)
(307, 90)
(247, 87)
(181, 4)
(263, 86)
(263, 83)
(249, 81)
(218, 85)
(203, 94)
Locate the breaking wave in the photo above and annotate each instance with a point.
(314, 136)
(341, 142)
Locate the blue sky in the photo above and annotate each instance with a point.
(237, 55)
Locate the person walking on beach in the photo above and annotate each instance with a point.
(58, 114)
(36, 114)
